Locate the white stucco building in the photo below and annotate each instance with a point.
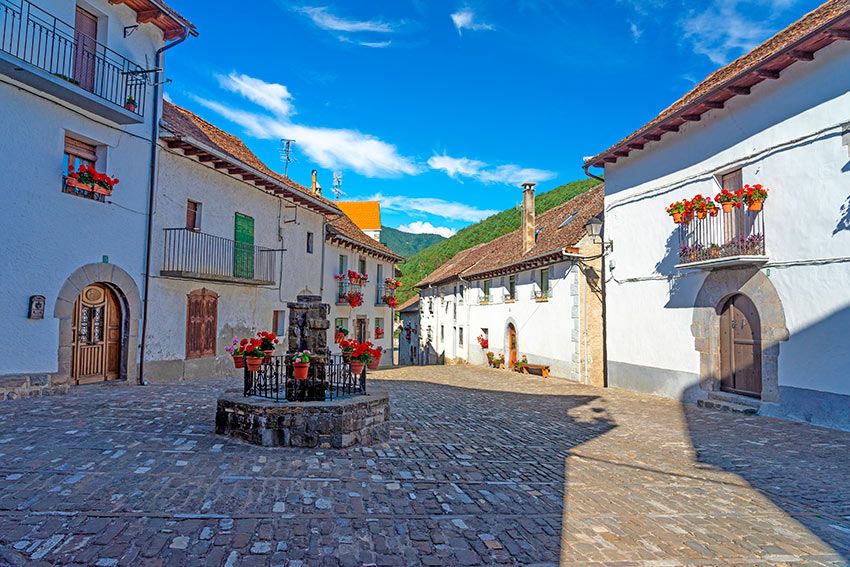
(533, 292)
(72, 275)
(760, 327)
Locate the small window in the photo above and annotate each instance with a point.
(309, 243)
(567, 220)
(340, 326)
(512, 287)
(379, 324)
(193, 215)
(545, 274)
(343, 264)
(279, 323)
(361, 266)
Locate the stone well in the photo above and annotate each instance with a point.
(338, 423)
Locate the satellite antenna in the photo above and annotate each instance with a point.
(337, 189)
(286, 154)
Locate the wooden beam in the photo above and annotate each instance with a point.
(219, 164)
(636, 146)
(190, 151)
(250, 177)
(839, 34)
(206, 158)
(691, 117)
(715, 104)
(146, 16)
(801, 55)
(669, 127)
(610, 159)
(739, 90)
(653, 137)
(622, 153)
(235, 170)
(767, 74)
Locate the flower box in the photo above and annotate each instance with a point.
(74, 184)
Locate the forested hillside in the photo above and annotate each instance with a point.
(418, 266)
(405, 243)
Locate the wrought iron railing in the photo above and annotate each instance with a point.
(345, 287)
(197, 255)
(275, 380)
(39, 38)
(739, 232)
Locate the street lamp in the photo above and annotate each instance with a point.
(593, 227)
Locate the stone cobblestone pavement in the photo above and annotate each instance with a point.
(483, 467)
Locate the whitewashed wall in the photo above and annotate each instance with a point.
(787, 136)
(51, 233)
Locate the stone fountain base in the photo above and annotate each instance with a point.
(339, 423)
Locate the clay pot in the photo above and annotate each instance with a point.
(376, 361)
(357, 367)
(727, 206)
(300, 370)
(755, 206)
(268, 357)
(253, 363)
(713, 211)
(238, 361)
(677, 218)
(701, 214)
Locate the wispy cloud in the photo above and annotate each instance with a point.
(431, 206)
(323, 18)
(467, 19)
(508, 174)
(331, 148)
(420, 227)
(723, 32)
(637, 32)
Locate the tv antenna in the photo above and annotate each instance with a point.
(286, 154)
(337, 188)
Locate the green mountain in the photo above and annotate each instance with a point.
(405, 243)
(420, 265)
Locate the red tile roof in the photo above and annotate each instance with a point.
(409, 303)
(504, 254)
(160, 14)
(798, 42)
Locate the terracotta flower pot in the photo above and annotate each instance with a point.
(727, 206)
(677, 218)
(253, 363)
(713, 211)
(376, 361)
(130, 106)
(268, 357)
(300, 370)
(238, 361)
(701, 214)
(357, 367)
(755, 206)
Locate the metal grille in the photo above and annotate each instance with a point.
(44, 41)
(325, 381)
(739, 232)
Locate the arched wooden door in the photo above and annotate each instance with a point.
(96, 347)
(740, 347)
(512, 345)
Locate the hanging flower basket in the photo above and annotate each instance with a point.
(376, 359)
(354, 299)
(253, 363)
(390, 300)
(238, 361)
(357, 367)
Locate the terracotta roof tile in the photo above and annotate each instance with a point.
(552, 236)
(365, 214)
(409, 303)
(805, 34)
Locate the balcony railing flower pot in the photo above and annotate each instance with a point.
(359, 354)
(130, 104)
(376, 359)
(237, 351)
(754, 196)
(301, 365)
(253, 363)
(357, 367)
(354, 299)
(390, 300)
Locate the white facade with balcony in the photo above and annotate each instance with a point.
(665, 314)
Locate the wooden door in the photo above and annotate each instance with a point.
(360, 330)
(201, 323)
(97, 330)
(243, 255)
(740, 347)
(512, 345)
(85, 53)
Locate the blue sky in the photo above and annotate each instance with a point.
(441, 108)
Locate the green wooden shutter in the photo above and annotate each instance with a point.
(243, 256)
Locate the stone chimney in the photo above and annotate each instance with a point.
(529, 221)
(314, 181)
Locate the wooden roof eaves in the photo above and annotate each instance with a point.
(342, 240)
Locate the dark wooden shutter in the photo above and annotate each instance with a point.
(192, 215)
(201, 323)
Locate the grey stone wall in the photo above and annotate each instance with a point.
(28, 385)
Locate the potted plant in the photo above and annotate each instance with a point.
(254, 355)
(379, 333)
(500, 361)
(354, 298)
(237, 351)
(88, 178)
(714, 250)
(376, 358)
(392, 283)
(728, 200)
(269, 340)
(483, 342)
(521, 364)
(700, 206)
(711, 207)
(340, 335)
(491, 359)
(301, 365)
(356, 278)
(130, 103)
(754, 196)
(390, 300)
(679, 211)
(358, 354)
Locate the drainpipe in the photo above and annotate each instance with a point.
(602, 287)
(324, 245)
(157, 80)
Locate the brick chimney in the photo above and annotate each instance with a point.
(529, 221)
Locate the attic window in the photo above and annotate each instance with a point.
(567, 220)
(537, 233)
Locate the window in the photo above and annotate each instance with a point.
(460, 336)
(379, 324)
(460, 291)
(380, 284)
(486, 288)
(77, 153)
(309, 243)
(193, 215)
(512, 287)
(340, 323)
(279, 323)
(361, 266)
(545, 274)
(732, 181)
(343, 263)
(201, 323)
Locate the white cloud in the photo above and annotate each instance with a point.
(636, 31)
(376, 44)
(166, 97)
(331, 148)
(323, 18)
(474, 169)
(431, 206)
(420, 227)
(466, 19)
(722, 32)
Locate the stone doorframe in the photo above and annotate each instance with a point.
(127, 292)
(717, 288)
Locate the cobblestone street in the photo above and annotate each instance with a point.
(482, 467)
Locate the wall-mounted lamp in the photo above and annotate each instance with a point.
(593, 227)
